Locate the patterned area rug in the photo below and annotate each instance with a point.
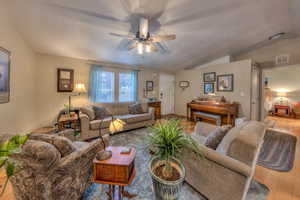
(142, 184)
(278, 151)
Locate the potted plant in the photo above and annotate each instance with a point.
(7, 149)
(167, 171)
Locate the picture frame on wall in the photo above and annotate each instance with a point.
(65, 80)
(225, 83)
(209, 88)
(5, 61)
(209, 77)
(149, 86)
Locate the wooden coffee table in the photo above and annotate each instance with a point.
(119, 170)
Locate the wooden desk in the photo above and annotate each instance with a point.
(228, 112)
(119, 170)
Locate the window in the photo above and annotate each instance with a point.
(127, 86)
(108, 87)
(102, 85)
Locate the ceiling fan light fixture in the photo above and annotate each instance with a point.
(148, 48)
(140, 48)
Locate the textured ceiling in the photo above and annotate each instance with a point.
(205, 29)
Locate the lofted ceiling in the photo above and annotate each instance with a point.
(205, 29)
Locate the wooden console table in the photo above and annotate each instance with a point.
(119, 170)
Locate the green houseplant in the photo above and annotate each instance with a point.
(167, 171)
(7, 149)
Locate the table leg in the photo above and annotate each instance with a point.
(127, 194)
(110, 192)
(120, 193)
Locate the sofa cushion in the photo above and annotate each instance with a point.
(134, 118)
(63, 145)
(135, 109)
(95, 124)
(100, 112)
(216, 136)
(229, 137)
(89, 111)
(198, 138)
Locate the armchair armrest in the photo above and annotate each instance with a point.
(84, 155)
(226, 161)
(84, 122)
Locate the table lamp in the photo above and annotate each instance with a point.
(116, 125)
(281, 96)
(79, 89)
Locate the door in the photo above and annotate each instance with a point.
(255, 93)
(167, 93)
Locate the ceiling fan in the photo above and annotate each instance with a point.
(143, 40)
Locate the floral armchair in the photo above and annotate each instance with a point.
(54, 168)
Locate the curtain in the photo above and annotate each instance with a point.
(95, 79)
(135, 81)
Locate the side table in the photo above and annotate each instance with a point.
(68, 121)
(119, 170)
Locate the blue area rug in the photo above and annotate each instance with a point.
(142, 184)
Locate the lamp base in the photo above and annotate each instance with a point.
(103, 155)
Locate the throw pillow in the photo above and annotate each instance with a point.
(63, 145)
(100, 112)
(135, 109)
(215, 137)
(88, 110)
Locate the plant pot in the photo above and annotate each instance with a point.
(166, 190)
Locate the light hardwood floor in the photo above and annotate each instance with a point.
(283, 186)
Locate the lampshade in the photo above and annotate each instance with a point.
(281, 94)
(79, 88)
(116, 125)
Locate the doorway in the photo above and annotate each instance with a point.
(167, 93)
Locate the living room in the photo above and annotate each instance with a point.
(108, 77)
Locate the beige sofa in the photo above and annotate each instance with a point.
(90, 128)
(225, 173)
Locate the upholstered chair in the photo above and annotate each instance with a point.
(52, 167)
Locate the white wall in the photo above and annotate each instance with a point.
(19, 115)
(222, 60)
(242, 85)
(50, 102)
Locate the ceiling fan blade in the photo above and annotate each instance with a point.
(130, 37)
(133, 46)
(160, 38)
(163, 47)
(153, 48)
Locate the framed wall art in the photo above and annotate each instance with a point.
(209, 88)
(184, 84)
(5, 60)
(209, 77)
(149, 86)
(225, 83)
(65, 80)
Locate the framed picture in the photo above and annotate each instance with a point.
(209, 88)
(225, 83)
(209, 77)
(5, 61)
(184, 84)
(65, 80)
(149, 85)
